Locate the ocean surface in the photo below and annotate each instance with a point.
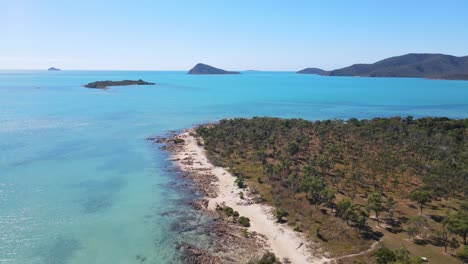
(79, 184)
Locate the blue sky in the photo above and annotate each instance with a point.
(237, 35)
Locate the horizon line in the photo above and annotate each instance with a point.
(60, 69)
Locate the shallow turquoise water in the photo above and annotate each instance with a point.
(79, 183)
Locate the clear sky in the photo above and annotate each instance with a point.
(236, 35)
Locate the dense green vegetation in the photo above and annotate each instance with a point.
(329, 177)
(398, 256)
(106, 84)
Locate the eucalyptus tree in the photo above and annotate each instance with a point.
(421, 197)
(374, 203)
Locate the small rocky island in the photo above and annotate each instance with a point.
(201, 68)
(53, 69)
(107, 84)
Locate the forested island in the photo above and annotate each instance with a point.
(201, 68)
(348, 184)
(53, 69)
(419, 65)
(107, 84)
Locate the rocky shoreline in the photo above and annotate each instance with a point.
(228, 242)
(241, 229)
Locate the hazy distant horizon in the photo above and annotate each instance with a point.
(260, 35)
(187, 69)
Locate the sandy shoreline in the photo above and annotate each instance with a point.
(281, 239)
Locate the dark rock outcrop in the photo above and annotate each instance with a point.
(107, 84)
(53, 69)
(201, 68)
(194, 255)
(433, 66)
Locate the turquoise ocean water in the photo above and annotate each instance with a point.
(80, 185)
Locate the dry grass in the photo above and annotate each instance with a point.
(336, 237)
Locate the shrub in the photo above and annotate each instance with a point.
(246, 233)
(267, 258)
(297, 227)
(228, 211)
(385, 255)
(240, 182)
(279, 214)
(463, 255)
(178, 140)
(259, 199)
(244, 221)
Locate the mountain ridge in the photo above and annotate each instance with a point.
(419, 65)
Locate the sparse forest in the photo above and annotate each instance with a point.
(349, 183)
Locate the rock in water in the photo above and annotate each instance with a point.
(194, 255)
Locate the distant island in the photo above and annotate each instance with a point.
(53, 69)
(316, 71)
(201, 68)
(107, 84)
(432, 66)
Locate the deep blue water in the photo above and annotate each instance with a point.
(79, 183)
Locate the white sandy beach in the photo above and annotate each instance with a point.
(283, 241)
